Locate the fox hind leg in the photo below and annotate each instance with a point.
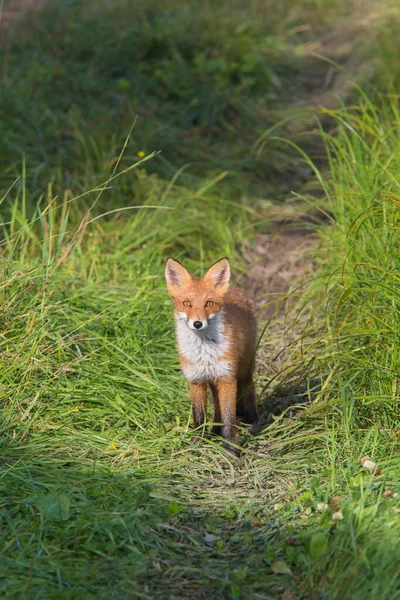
(227, 393)
(246, 402)
(216, 429)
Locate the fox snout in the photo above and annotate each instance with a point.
(195, 324)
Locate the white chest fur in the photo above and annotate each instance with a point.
(203, 351)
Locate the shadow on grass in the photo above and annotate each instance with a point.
(284, 399)
(102, 532)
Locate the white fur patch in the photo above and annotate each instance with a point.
(203, 350)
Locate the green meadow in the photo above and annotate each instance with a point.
(134, 131)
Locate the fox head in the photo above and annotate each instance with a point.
(197, 301)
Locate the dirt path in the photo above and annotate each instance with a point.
(281, 260)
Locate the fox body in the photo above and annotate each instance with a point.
(216, 335)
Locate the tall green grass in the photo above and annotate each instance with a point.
(354, 341)
(102, 492)
(361, 296)
(94, 407)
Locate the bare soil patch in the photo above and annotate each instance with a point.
(280, 266)
(280, 262)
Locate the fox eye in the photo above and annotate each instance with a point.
(209, 303)
(186, 303)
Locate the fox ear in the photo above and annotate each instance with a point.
(219, 275)
(177, 277)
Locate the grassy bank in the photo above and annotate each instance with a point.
(355, 345)
(102, 492)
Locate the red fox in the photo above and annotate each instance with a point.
(216, 335)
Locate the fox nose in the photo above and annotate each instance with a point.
(197, 324)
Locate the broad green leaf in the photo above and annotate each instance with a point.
(173, 508)
(53, 506)
(279, 567)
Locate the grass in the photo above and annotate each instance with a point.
(201, 84)
(103, 493)
(357, 340)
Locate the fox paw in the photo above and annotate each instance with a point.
(232, 449)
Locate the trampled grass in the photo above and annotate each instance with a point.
(103, 493)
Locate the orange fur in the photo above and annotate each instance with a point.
(221, 352)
